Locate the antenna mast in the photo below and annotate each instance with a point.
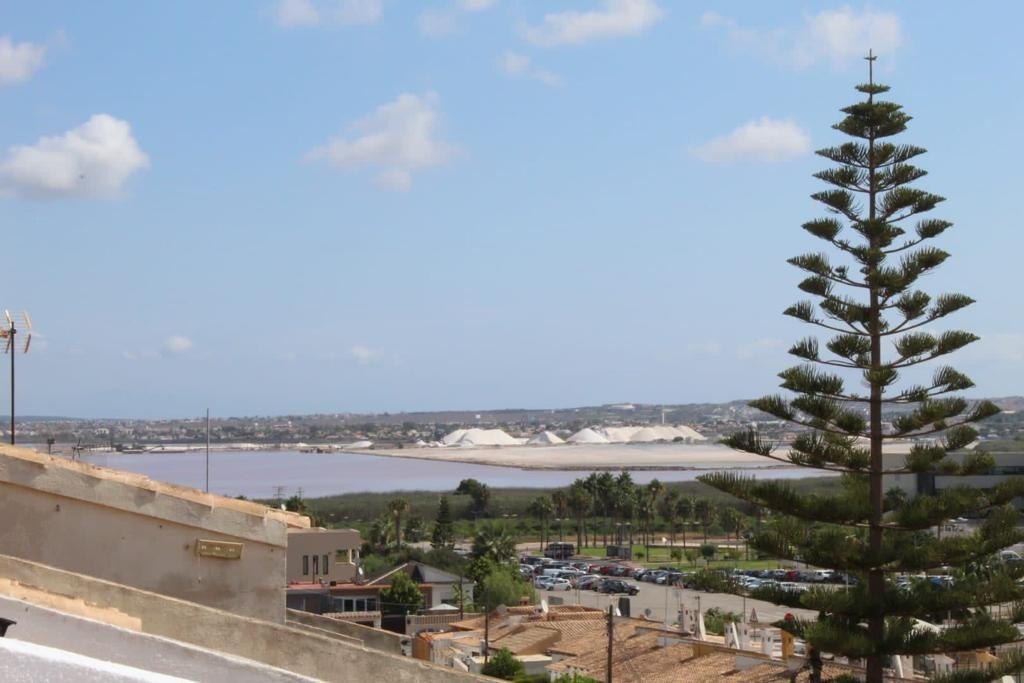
(10, 334)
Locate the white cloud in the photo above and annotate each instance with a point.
(178, 344)
(399, 137)
(514, 64)
(615, 18)
(759, 347)
(1006, 347)
(365, 355)
(547, 77)
(476, 5)
(93, 160)
(840, 36)
(19, 61)
(705, 348)
(764, 139)
(436, 23)
(518, 65)
(440, 22)
(291, 13)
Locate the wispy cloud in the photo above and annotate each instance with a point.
(93, 160)
(365, 355)
(296, 13)
(178, 344)
(19, 61)
(440, 22)
(518, 65)
(400, 137)
(763, 140)
(1005, 347)
(840, 36)
(614, 18)
(759, 347)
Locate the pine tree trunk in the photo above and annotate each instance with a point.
(876, 578)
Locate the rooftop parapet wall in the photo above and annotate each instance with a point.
(317, 656)
(132, 530)
(123, 490)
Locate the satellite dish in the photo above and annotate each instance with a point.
(544, 605)
(648, 612)
(617, 612)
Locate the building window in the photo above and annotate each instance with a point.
(305, 565)
(327, 571)
(316, 565)
(371, 604)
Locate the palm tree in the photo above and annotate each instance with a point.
(541, 508)
(495, 541)
(594, 489)
(605, 483)
(625, 501)
(705, 513)
(653, 489)
(560, 504)
(732, 520)
(668, 508)
(579, 501)
(684, 508)
(397, 507)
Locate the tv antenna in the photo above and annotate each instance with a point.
(10, 334)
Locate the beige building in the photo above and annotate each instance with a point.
(112, 576)
(134, 531)
(328, 555)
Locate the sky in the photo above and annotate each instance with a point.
(371, 205)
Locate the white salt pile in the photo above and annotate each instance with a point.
(588, 435)
(453, 438)
(480, 437)
(360, 444)
(545, 439)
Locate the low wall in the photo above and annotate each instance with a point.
(124, 646)
(280, 646)
(375, 639)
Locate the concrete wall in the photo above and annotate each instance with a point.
(276, 645)
(126, 647)
(339, 546)
(138, 532)
(376, 639)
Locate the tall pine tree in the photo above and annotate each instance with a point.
(868, 296)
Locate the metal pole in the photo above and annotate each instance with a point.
(207, 450)
(487, 631)
(611, 632)
(12, 347)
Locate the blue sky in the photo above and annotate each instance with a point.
(364, 205)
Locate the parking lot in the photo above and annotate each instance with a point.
(662, 600)
(659, 602)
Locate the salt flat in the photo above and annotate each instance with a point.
(591, 456)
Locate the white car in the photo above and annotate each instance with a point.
(558, 585)
(543, 582)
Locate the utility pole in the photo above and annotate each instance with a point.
(487, 632)
(207, 450)
(611, 639)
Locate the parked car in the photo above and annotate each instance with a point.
(557, 584)
(590, 581)
(543, 582)
(619, 586)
